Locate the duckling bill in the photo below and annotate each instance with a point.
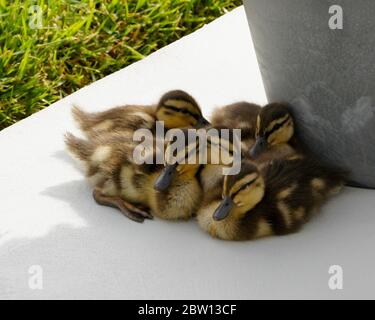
(163, 182)
(224, 209)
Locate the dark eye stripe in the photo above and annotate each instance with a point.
(184, 111)
(276, 127)
(244, 186)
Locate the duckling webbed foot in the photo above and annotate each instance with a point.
(128, 209)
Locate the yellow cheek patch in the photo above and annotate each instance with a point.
(160, 114)
(180, 104)
(185, 106)
(177, 120)
(248, 198)
(238, 185)
(276, 122)
(282, 135)
(238, 200)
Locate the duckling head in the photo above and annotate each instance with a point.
(180, 159)
(192, 149)
(275, 126)
(241, 192)
(171, 171)
(178, 109)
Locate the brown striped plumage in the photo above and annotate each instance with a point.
(118, 181)
(240, 115)
(107, 155)
(175, 108)
(274, 200)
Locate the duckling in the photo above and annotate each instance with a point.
(175, 108)
(219, 151)
(240, 115)
(177, 189)
(274, 200)
(275, 134)
(101, 157)
(120, 182)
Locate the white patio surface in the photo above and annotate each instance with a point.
(48, 217)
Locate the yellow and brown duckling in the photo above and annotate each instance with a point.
(209, 158)
(112, 132)
(104, 157)
(275, 200)
(122, 183)
(239, 115)
(177, 109)
(264, 132)
(275, 134)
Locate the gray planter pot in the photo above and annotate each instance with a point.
(327, 75)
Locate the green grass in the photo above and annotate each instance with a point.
(82, 41)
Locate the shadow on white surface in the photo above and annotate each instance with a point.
(29, 223)
(36, 223)
(113, 257)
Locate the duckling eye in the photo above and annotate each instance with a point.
(262, 143)
(276, 127)
(260, 133)
(247, 186)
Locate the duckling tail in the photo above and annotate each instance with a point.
(337, 179)
(85, 120)
(80, 148)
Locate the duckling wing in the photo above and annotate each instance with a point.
(297, 187)
(121, 118)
